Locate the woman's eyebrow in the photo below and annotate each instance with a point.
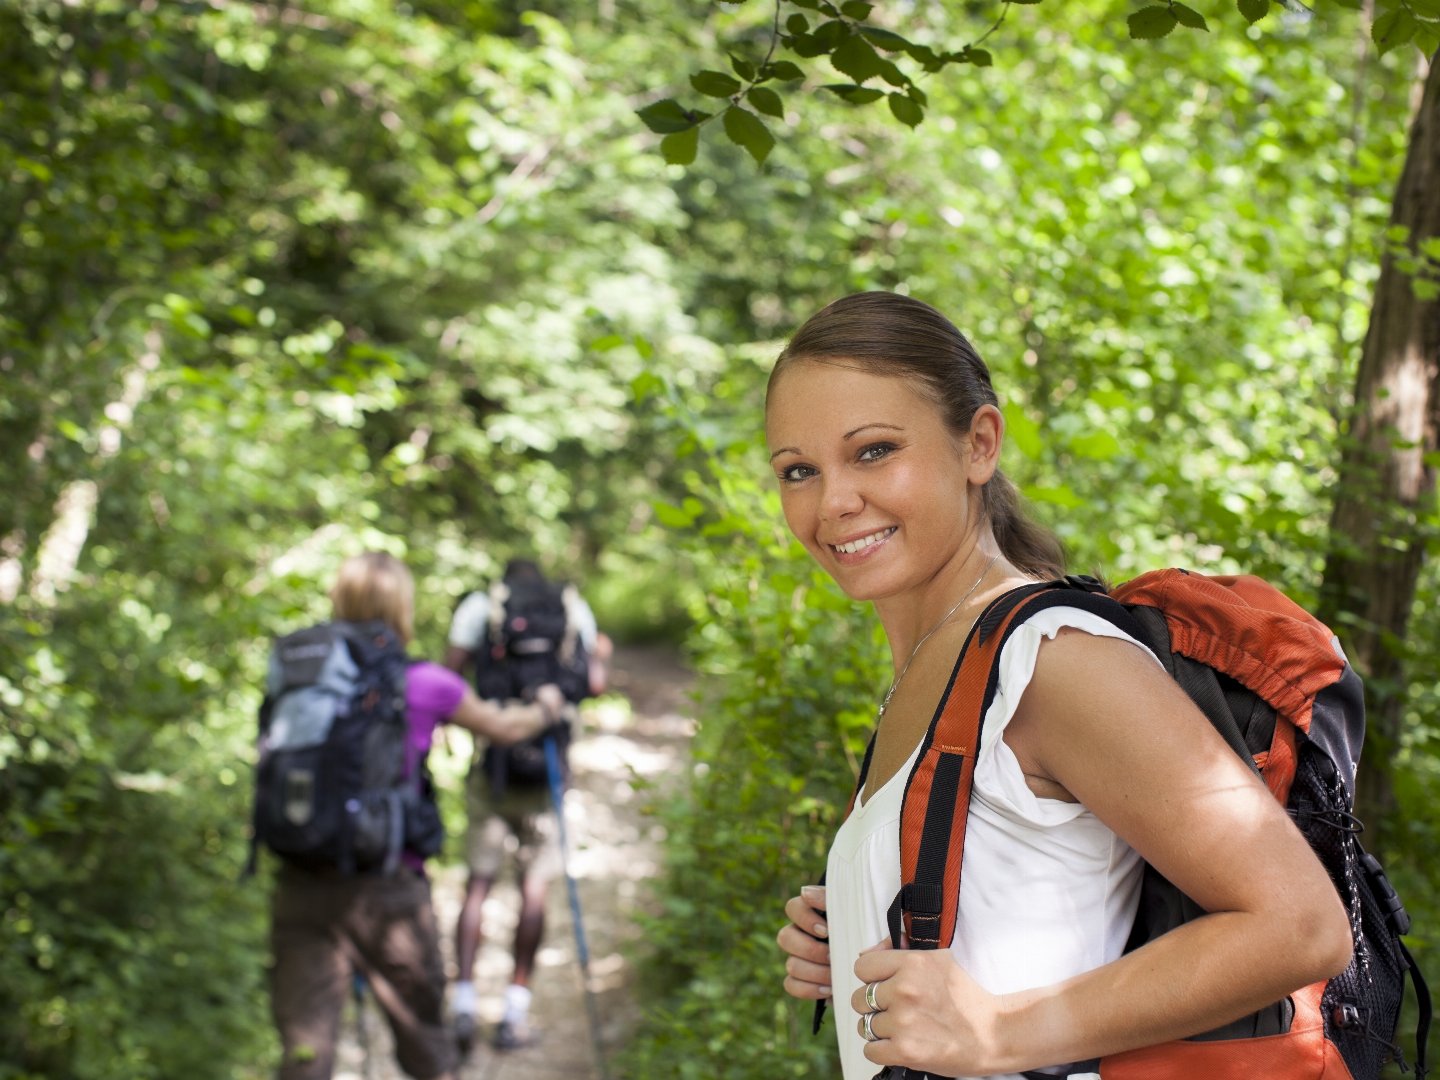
(866, 427)
(846, 437)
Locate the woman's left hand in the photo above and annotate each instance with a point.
(929, 1014)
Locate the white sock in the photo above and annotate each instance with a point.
(517, 1003)
(462, 998)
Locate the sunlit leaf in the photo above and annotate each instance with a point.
(748, 130)
(1152, 22)
(765, 100)
(680, 147)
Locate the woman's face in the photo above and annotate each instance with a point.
(872, 481)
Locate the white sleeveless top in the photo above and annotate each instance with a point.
(1049, 890)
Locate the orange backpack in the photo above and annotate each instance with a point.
(1273, 681)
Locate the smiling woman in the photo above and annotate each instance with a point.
(886, 436)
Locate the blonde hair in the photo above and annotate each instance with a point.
(376, 585)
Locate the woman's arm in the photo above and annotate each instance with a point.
(506, 724)
(1135, 750)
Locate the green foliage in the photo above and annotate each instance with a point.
(792, 675)
(279, 285)
(277, 289)
(862, 41)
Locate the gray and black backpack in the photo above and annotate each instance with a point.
(331, 786)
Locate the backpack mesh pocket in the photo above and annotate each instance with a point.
(1361, 1005)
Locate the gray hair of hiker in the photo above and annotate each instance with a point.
(889, 334)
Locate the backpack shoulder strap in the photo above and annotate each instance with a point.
(936, 804)
(499, 594)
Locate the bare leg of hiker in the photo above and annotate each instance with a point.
(468, 935)
(514, 1028)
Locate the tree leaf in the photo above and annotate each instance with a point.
(905, 110)
(742, 67)
(715, 84)
(665, 116)
(857, 58)
(807, 45)
(1188, 16)
(979, 57)
(765, 100)
(1254, 10)
(855, 95)
(1425, 289)
(797, 24)
(646, 385)
(1097, 445)
(892, 74)
(1151, 22)
(1023, 431)
(1393, 28)
(925, 57)
(886, 39)
(748, 130)
(783, 70)
(858, 10)
(831, 35)
(672, 517)
(679, 147)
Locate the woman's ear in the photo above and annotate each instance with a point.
(987, 434)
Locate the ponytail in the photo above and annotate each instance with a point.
(1031, 548)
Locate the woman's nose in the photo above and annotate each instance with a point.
(840, 498)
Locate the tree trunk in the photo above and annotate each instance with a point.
(1385, 498)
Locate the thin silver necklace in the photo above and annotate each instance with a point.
(926, 636)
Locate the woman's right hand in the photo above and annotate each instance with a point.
(805, 939)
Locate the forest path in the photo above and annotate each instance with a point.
(614, 850)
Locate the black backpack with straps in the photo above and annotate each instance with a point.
(530, 640)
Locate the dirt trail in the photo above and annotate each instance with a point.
(614, 851)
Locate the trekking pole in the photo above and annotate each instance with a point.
(557, 796)
(357, 990)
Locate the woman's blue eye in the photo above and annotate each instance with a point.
(795, 473)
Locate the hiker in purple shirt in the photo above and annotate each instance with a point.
(326, 924)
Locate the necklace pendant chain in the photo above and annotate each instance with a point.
(926, 636)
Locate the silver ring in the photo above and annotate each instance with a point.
(870, 1002)
(870, 1035)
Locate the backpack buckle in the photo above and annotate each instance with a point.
(1395, 914)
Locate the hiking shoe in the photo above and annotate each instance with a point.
(514, 1035)
(464, 1033)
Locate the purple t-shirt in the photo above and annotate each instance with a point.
(432, 693)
